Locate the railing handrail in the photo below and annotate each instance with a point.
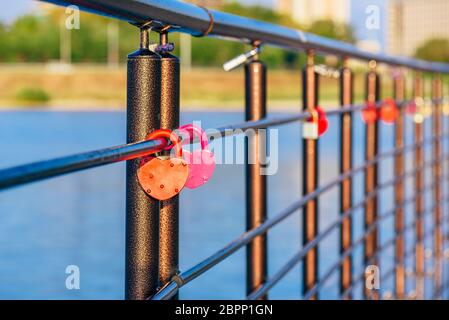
(196, 20)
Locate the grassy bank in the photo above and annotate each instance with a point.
(93, 86)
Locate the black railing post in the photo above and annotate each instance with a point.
(169, 209)
(371, 172)
(445, 172)
(142, 211)
(346, 100)
(437, 175)
(399, 192)
(418, 89)
(256, 182)
(310, 177)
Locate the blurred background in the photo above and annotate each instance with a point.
(64, 91)
(42, 63)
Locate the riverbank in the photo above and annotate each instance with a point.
(84, 87)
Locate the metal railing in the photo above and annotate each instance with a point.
(153, 102)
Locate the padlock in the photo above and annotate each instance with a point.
(163, 177)
(201, 162)
(411, 108)
(369, 113)
(310, 126)
(388, 112)
(323, 123)
(316, 125)
(415, 108)
(419, 116)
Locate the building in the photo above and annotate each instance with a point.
(410, 23)
(307, 11)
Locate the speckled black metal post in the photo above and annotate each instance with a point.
(142, 211)
(169, 209)
(256, 183)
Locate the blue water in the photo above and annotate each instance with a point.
(78, 219)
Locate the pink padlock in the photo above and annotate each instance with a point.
(201, 162)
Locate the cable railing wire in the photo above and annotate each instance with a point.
(50, 168)
(183, 278)
(361, 277)
(343, 255)
(263, 289)
(40, 170)
(356, 243)
(282, 120)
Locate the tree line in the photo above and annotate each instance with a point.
(37, 38)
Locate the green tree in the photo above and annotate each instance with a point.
(30, 39)
(36, 38)
(4, 47)
(89, 43)
(333, 30)
(434, 50)
(274, 57)
(259, 13)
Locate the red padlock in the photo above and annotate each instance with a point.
(411, 108)
(388, 112)
(369, 113)
(323, 123)
(415, 106)
(163, 177)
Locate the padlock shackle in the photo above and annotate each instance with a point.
(371, 110)
(170, 136)
(194, 130)
(314, 115)
(318, 116)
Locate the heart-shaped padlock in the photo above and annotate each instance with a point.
(369, 113)
(201, 162)
(388, 112)
(163, 177)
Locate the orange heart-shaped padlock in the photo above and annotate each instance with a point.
(389, 111)
(369, 113)
(163, 177)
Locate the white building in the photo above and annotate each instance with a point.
(412, 22)
(307, 11)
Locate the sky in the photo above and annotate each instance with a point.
(358, 16)
(9, 10)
